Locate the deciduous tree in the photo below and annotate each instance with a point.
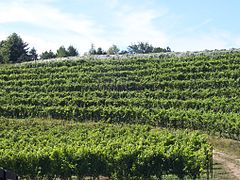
(47, 55)
(141, 47)
(113, 50)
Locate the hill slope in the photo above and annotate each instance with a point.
(197, 92)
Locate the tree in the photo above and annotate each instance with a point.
(13, 49)
(158, 50)
(23, 57)
(62, 52)
(99, 51)
(1, 59)
(92, 50)
(168, 49)
(47, 55)
(141, 47)
(71, 51)
(113, 50)
(123, 52)
(33, 54)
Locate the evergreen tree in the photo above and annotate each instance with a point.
(24, 57)
(13, 49)
(62, 52)
(72, 51)
(1, 57)
(33, 54)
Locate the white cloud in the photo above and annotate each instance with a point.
(44, 15)
(127, 24)
(134, 25)
(77, 29)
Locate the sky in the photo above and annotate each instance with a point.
(183, 25)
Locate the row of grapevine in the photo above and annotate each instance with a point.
(223, 124)
(94, 71)
(197, 92)
(63, 78)
(60, 149)
(223, 94)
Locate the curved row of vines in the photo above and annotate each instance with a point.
(197, 92)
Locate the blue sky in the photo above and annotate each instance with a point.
(183, 25)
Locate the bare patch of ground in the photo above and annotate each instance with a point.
(230, 163)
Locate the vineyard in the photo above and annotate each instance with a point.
(192, 92)
(198, 92)
(52, 149)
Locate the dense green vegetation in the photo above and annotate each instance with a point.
(193, 92)
(197, 92)
(40, 148)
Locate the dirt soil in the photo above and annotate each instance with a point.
(231, 164)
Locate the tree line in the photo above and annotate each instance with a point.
(15, 50)
(61, 52)
(136, 48)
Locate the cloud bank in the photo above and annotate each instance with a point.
(47, 25)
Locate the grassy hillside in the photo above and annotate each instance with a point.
(196, 92)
